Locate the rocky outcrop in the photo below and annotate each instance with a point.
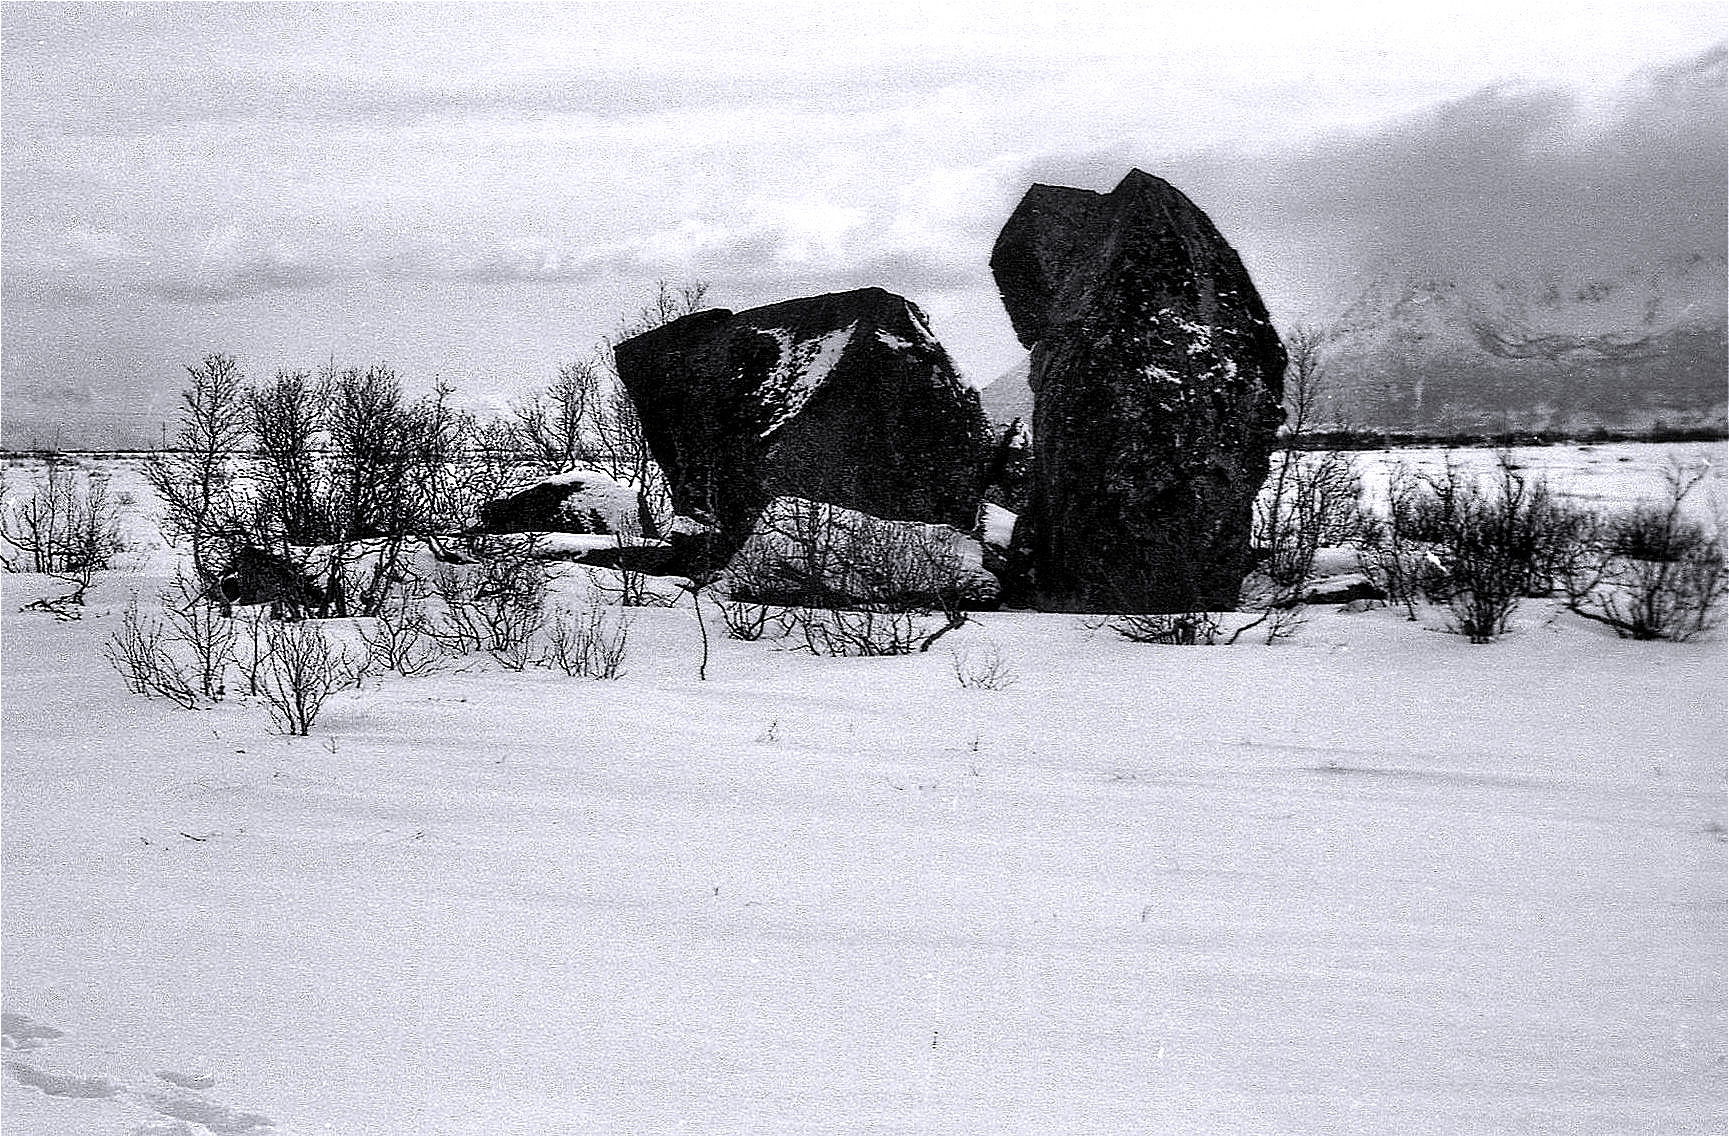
(256, 576)
(845, 398)
(1157, 379)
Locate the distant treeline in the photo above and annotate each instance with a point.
(1308, 440)
(1395, 440)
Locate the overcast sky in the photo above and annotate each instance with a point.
(479, 191)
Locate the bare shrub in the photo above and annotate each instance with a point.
(591, 644)
(68, 523)
(1390, 555)
(400, 638)
(806, 556)
(629, 588)
(251, 647)
(555, 426)
(985, 670)
(1312, 500)
(293, 502)
(138, 651)
(1489, 547)
(1318, 505)
(496, 605)
(1276, 622)
(303, 669)
(1652, 574)
(1179, 628)
(199, 480)
(746, 620)
(457, 629)
(348, 464)
(207, 635)
(856, 631)
(68, 529)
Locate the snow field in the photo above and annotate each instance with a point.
(1371, 879)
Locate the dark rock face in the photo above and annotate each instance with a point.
(1157, 380)
(845, 398)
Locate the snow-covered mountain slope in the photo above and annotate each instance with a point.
(1440, 353)
(1009, 396)
(1628, 349)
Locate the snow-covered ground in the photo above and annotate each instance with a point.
(1371, 879)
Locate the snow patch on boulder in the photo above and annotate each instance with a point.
(803, 367)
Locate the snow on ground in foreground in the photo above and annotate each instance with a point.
(1371, 879)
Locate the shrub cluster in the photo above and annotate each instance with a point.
(1478, 550)
(68, 528)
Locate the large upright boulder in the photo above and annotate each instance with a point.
(1157, 380)
(845, 398)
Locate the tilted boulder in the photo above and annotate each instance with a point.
(845, 398)
(1157, 380)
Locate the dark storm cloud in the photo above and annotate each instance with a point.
(1509, 180)
(1516, 181)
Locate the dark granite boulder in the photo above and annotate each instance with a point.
(583, 501)
(1157, 380)
(845, 398)
(255, 576)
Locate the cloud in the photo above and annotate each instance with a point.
(369, 69)
(1506, 181)
(234, 266)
